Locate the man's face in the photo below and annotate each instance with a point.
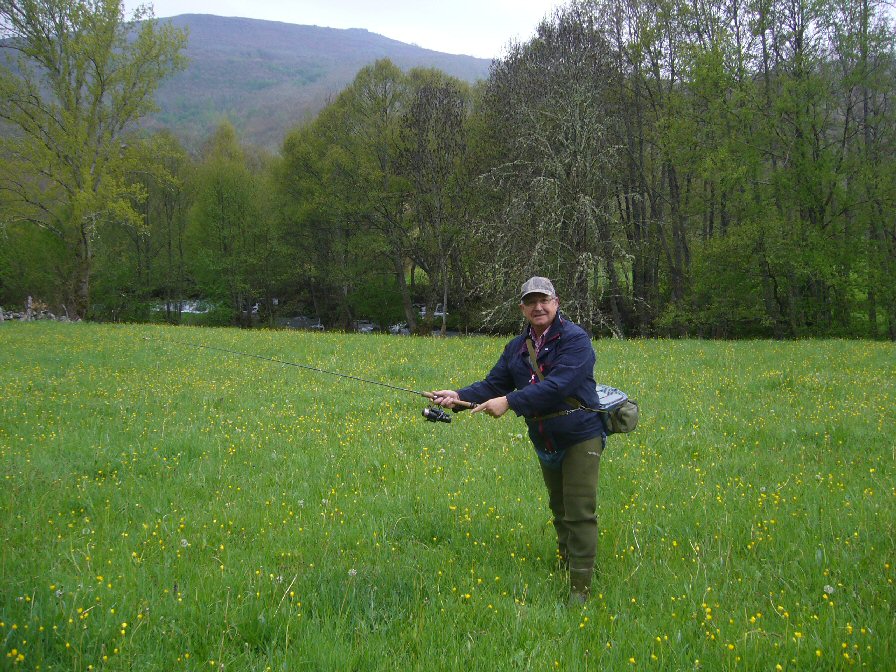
(540, 310)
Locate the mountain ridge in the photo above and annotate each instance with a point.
(266, 77)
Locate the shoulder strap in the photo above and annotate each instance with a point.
(533, 362)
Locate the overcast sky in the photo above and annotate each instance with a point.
(476, 27)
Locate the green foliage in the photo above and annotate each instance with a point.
(238, 256)
(549, 108)
(378, 172)
(330, 250)
(378, 301)
(727, 286)
(434, 156)
(722, 169)
(253, 515)
(74, 77)
(138, 264)
(30, 260)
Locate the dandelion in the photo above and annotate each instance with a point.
(353, 572)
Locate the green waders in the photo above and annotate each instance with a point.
(572, 490)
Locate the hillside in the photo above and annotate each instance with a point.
(267, 76)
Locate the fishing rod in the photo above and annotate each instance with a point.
(433, 413)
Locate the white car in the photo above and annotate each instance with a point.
(366, 326)
(438, 312)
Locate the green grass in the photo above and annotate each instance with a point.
(168, 508)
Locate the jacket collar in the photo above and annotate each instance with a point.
(554, 332)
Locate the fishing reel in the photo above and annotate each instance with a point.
(436, 414)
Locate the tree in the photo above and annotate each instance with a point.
(757, 179)
(75, 77)
(862, 43)
(346, 179)
(552, 118)
(376, 188)
(313, 229)
(168, 200)
(239, 258)
(337, 208)
(136, 263)
(433, 156)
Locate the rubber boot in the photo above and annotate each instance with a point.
(581, 467)
(579, 583)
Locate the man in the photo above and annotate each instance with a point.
(568, 438)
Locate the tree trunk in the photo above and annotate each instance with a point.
(81, 294)
(409, 314)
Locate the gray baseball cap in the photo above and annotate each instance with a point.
(537, 285)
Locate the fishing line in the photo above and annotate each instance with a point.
(434, 414)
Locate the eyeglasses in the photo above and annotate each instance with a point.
(531, 301)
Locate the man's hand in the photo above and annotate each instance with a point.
(494, 407)
(445, 398)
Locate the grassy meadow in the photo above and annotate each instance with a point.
(169, 508)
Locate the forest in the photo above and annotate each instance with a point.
(679, 168)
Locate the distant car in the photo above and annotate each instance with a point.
(301, 322)
(197, 306)
(400, 329)
(366, 326)
(438, 312)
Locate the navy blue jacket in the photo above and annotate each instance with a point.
(567, 363)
